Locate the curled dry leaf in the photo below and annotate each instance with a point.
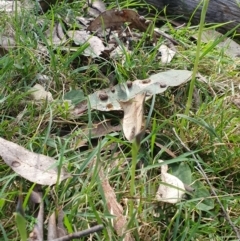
(32, 166)
(155, 84)
(166, 54)
(120, 221)
(133, 121)
(95, 47)
(38, 93)
(171, 188)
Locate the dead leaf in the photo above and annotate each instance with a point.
(115, 18)
(98, 130)
(6, 43)
(230, 47)
(37, 233)
(155, 84)
(236, 101)
(52, 227)
(96, 7)
(166, 54)
(120, 222)
(56, 35)
(10, 6)
(38, 93)
(32, 166)
(95, 47)
(133, 121)
(61, 231)
(171, 188)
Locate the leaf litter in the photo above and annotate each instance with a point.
(116, 209)
(34, 167)
(129, 97)
(171, 188)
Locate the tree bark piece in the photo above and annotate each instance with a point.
(219, 11)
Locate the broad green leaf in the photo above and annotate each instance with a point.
(21, 225)
(201, 192)
(76, 96)
(183, 172)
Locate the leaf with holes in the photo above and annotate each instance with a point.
(109, 99)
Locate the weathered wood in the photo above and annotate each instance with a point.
(219, 11)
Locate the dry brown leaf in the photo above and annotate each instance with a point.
(61, 231)
(37, 233)
(120, 222)
(116, 18)
(98, 130)
(133, 121)
(52, 227)
(32, 166)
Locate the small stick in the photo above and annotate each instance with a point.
(200, 169)
(80, 234)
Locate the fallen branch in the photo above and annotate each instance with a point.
(80, 234)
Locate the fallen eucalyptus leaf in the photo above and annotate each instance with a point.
(109, 99)
(120, 221)
(32, 166)
(171, 188)
(52, 227)
(61, 230)
(98, 130)
(133, 120)
(230, 47)
(37, 232)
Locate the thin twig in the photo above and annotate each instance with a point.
(200, 169)
(80, 234)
